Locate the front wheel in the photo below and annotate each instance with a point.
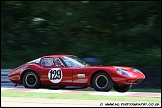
(122, 88)
(102, 82)
(31, 80)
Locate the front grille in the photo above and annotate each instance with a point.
(138, 81)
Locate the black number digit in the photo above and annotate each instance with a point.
(51, 72)
(55, 74)
(58, 74)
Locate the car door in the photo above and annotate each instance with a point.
(54, 73)
(80, 77)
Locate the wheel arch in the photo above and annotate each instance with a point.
(91, 78)
(28, 70)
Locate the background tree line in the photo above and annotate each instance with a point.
(115, 32)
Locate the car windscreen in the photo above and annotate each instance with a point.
(35, 60)
(73, 61)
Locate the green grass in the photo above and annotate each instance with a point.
(8, 93)
(145, 90)
(131, 90)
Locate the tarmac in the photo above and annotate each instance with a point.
(44, 102)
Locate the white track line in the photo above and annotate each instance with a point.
(48, 91)
(5, 88)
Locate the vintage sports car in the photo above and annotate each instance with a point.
(68, 70)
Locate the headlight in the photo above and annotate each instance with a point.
(136, 70)
(123, 72)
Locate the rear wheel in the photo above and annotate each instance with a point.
(31, 80)
(102, 82)
(122, 88)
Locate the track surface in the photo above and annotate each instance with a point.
(66, 91)
(43, 102)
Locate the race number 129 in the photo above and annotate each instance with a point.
(55, 74)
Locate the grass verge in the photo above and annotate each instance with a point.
(131, 90)
(8, 93)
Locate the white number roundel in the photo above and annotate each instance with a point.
(55, 75)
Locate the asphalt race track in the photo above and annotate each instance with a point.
(44, 102)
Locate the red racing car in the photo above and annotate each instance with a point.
(68, 70)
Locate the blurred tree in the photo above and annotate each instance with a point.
(117, 33)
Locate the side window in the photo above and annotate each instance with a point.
(47, 62)
(58, 62)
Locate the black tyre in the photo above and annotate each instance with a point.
(102, 82)
(122, 88)
(31, 80)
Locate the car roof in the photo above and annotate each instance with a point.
(57, 55)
